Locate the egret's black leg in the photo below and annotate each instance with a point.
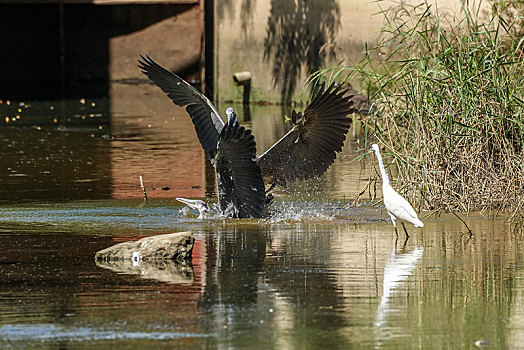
(404, 245)
(396, 232)
(404, 226)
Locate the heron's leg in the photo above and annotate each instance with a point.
(404, 226)
(269, 199)
(270, 188)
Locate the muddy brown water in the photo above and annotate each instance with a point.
(316, 274)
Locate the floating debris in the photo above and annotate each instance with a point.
(481, 343)
(136, 258)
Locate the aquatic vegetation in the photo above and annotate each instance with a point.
(449, 88)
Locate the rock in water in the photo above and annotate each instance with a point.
(173, 246)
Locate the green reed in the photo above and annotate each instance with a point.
(449, 89)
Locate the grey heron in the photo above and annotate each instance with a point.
(306, 151)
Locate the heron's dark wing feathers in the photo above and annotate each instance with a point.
(204, 115)
(309, 148)
(240, 184)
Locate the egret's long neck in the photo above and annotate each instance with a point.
(385, 177)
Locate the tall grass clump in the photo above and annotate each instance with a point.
(450, 92)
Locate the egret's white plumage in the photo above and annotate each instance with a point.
(397, 206)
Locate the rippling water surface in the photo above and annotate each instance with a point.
(317, 273)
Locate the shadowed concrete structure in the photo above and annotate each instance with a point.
(62, 48)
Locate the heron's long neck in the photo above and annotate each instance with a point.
(385, 177)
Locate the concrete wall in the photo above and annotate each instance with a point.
(282, 41)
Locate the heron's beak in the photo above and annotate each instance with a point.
(192, 203)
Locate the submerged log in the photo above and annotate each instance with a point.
(173, 246)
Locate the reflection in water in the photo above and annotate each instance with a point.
(96, 161)
(398, 269)
(255, 283)
(296, 32)
(55, 150)
(232, 257)
(307, 278)
(261, 292)
(169, 271)
(516, 321)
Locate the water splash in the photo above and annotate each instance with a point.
(296, 210)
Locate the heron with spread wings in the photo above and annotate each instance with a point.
(306, 151)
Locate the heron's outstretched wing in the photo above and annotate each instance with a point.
(310, 147)
(204, 115)
(241, 191)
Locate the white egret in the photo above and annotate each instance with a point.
(397, 206)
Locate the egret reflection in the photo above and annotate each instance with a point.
(397, 269)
